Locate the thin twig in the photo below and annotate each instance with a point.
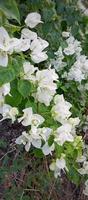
(51, 190)
(7, 153)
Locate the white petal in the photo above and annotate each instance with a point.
(39, 57)
(27, 146)
(47, 149)
(3, 35)
(24, 45)
(36, 143)
(33, 19)
(3, 59)
(27, 34)
(19, 140)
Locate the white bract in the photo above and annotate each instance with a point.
(58, 165)
(37, 50)
(9, 112)
(34, 137)
(74, 46)
(7, 46)
(29, 71)
(28, 34)
(33, 19)
(63, 134)
(29, 118)
(79, 70)
(65, 34)
(46, 149)
(30, 138)
(58, 62)
(60, 111)
(5, 89)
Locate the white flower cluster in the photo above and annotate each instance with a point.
(73, 46)
(44, 80)
(79, 70)
(35, 135)
(39, 137)
(28, 41)
(58, 62)
(45, 86)
(60, 112)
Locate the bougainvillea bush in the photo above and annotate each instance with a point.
(44, 81)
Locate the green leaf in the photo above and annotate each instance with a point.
(38, 153)
(31, 103)
(51, 140)
(74, 176)
(58, 150)
(10, 9)
(17, 64)
(6, 75)
(24, 88)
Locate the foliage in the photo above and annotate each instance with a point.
(31, 84)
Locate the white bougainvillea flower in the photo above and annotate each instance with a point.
(79, 70)
(7, 46)
(39, 56)
(29, 71)
(84, 169)
(46, 77)
(75, 74)
(37, 53)
(28, 34)
(63, 134)
(44, 95)
(45, 133)
(81, 159)
(46, 87)
(30, 138)
(58, 62)
(38, 45)
(37, 120)
(4, 90)
(74, 46)
(24, 45)
(85, 191)
(35, 137)
(27, 37)
(58, 165)
(65, 34)
(33, 19)
(60, 111)
(73, 122)
(46, 149)
(9, 112)
(29, 118)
